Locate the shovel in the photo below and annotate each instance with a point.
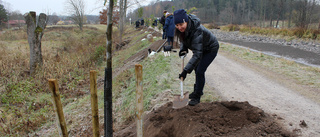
(181, 100)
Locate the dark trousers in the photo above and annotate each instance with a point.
(164, 35)
(170, 40)
(200, 70)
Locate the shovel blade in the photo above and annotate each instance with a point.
(179, 102)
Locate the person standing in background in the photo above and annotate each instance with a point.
(163, 21)
(169, 27)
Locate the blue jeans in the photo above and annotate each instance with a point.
(200, 70)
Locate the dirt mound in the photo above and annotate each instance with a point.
(207, 120)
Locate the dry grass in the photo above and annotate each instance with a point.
(77, 113)
(68, 56)
(285, 32)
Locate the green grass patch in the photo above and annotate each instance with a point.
(136, 46)
(153, 83)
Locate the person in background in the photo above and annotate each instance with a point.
(169, 27)
(202, 43)
(155, 22)
(142, 22)
(163, 21)
(137, 24)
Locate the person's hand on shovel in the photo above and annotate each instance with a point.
(182, 53)
(182, 99)
(183, 75)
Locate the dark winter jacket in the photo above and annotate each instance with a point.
(198, 39)
(163, 20)
(169, 26)
(137, 24)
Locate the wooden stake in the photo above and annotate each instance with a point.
(94, 103)
(139, 100)
(58, 106)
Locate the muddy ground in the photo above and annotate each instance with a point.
(228, 118)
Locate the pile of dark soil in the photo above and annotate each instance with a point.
(207, 120)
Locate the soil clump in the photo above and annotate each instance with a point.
(206, 120)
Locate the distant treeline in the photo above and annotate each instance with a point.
(263, 13)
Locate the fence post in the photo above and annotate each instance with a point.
(58, 106)
(94, 103)
(139, 100)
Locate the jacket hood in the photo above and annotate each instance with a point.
(193, 23)
(170, 14)
(194, 18)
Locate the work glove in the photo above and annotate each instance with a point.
(182, 53)
(183, 75)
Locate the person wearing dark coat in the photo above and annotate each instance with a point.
(137, 24)
(169, 28)
(142, 22)
(204, 45)
(163, 21)
(155, 22)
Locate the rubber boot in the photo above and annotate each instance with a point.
(193, 94)
(194, 101)
(195, 97)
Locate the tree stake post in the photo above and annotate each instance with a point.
(94, 103)
(139, 100)
(58, 106)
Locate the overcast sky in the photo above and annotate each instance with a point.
(53, 6)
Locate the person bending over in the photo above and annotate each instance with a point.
(204, 45)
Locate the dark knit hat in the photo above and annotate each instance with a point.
(180, 16)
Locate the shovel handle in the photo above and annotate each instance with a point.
(181, 83)
(182, 63)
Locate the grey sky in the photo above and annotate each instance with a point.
(58, 6)
(53, 6)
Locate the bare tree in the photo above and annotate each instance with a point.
(290, 12)
(108, 126)
(54, 18)
(123, 10)
(226, 15)
(311, 7)
(301, 15)
(271, 6)
(77, 10)
(280, 10)
(35, 32)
